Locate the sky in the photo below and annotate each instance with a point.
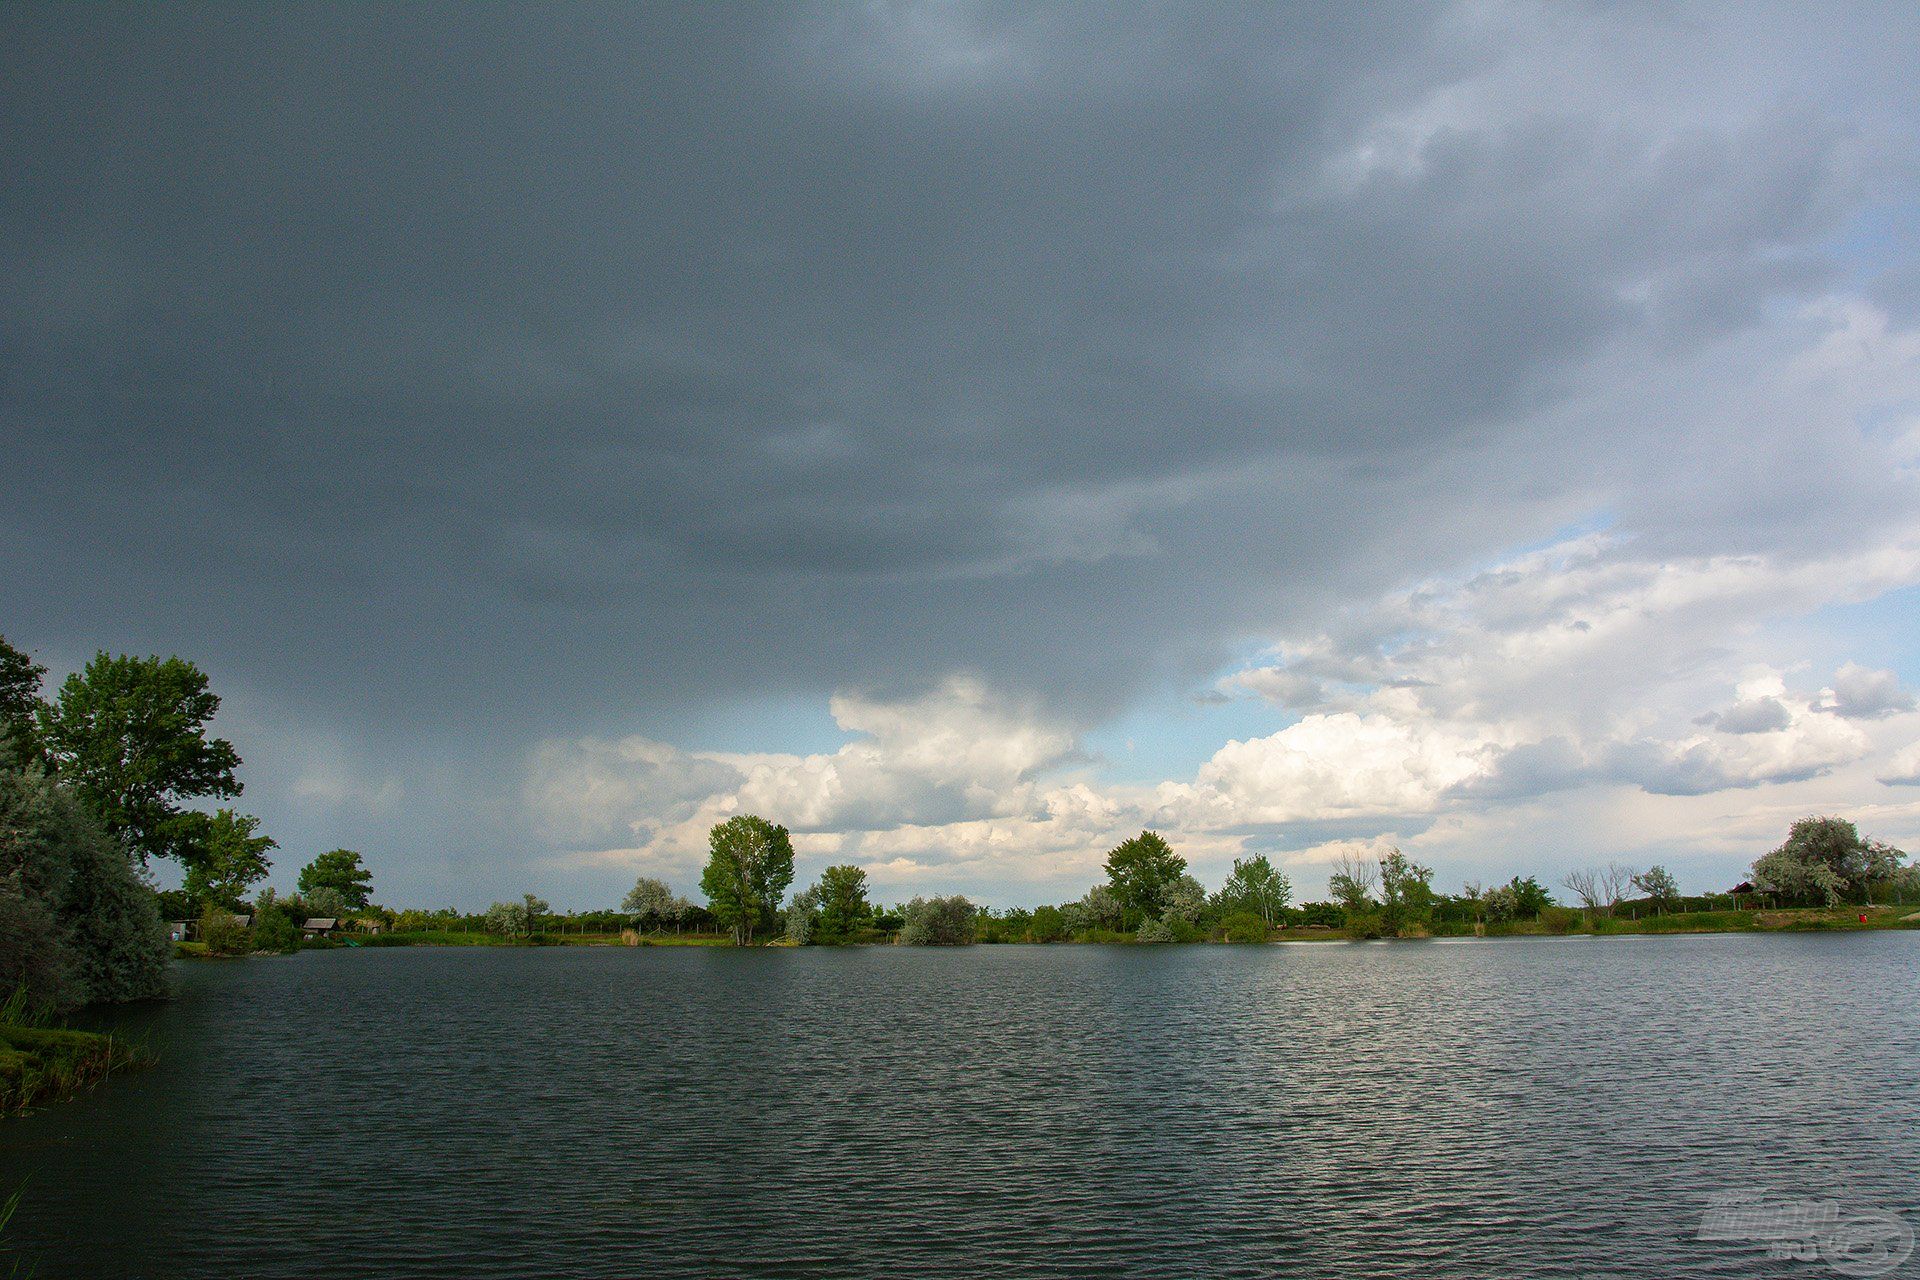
(971, 434)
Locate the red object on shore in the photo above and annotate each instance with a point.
(1863, 917)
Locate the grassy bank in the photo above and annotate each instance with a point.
(1554, 922)
(40, 1064)
(456, 938)
(1561, 922)
(1785, 921)
(477, 938)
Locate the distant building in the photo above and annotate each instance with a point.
(245, 922)
(176, 930)
(319, 926)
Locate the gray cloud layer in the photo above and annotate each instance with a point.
(452, 377)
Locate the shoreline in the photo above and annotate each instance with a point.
(39, 1065)
(1790, 920)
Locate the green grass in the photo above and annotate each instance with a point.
(1556, 922)
(1786, 920)
(1682, 922)
(17, 1268)
(38, 1064)
(1796, 920)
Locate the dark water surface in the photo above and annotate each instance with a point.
(1526, 1107)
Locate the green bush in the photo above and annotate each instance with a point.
(938, 922)
(35, 960)
(1155, 930)
(1184, 930)
(1365, 924)
(77, 925)
(1559, 919)
(1244, 926)
(1048, 925)
(1104, 935)
(223, 933)
(275, 930)
(1328, 914)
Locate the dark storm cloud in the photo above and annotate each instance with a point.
(613, 316)
(483, 373)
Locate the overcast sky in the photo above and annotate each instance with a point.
(970, 434)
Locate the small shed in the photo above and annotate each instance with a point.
(319, 926)
(245, 922)
(176, 930)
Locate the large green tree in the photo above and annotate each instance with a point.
(1351, 883)
(1258, 887)
(231, 862)
(517, 919)
(19, 704)
(342, 871)
(651, 902)
(1825, 860)
(1515, 900)
(1182, 898)
(1406, 893)
(1662, 890)
(1139, 870)
(843, 903)
(803, 917)
(323, 902)
(749, 866)
(130, 736)
(648, 897)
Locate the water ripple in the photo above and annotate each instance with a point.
(1473, 1110)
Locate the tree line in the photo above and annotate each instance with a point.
(98, 782)
(1150, 896)
(118, 769)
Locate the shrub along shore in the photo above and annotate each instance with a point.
(40, 1063)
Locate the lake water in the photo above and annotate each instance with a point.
(1526, 1107)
